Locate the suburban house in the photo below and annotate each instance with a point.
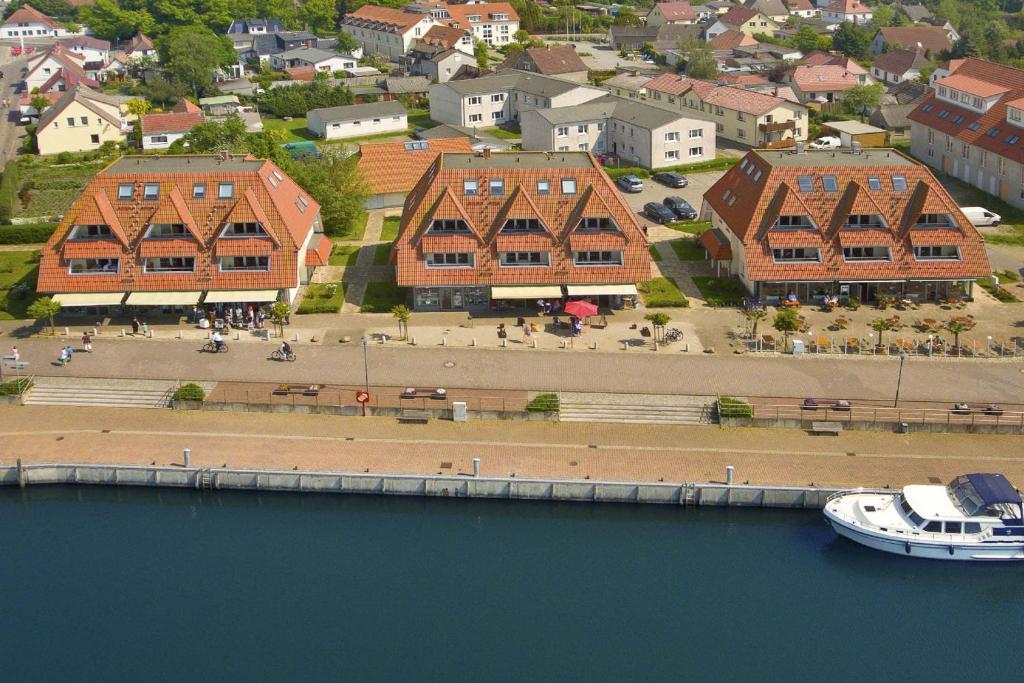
(41, 67)
(357, 120)
(169, 231)
(775, 10)
(672, 13)
(262, 45)
(502, 97)
(802, 8)
(322, 61)
(447, 37)
(823, 83)
(386, 31)
(438, 64)
(971, 126)
(392, 169)
(160, 130)
(934, 39)
(730, 40)
(91, 49)
(636, 133)
(631, 84)
(744, 20)
(915, 13)
(28, 22)
(855, 226)
(740, 115)
(492, 22)
(115, 67)
(899, 65)
(82, 120)
(894, 119)
(491, 230)
(562, 62)
(853, 11)
(141, 47)
(253, 27)
(664, 38)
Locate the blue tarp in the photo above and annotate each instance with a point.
(994, 488)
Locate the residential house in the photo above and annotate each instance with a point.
(115, 67)
(636, 133)
(719, 7)
(744, 116)
(392, 169)
(855, 132)
(386, 31)
(744, 20)
(899, 65)
(415, 87)
(82, 120)
(91, 49)
(853, 11)
(482, 232)
(664, 38)
(447, 38)
(672, 13)
(906, 92)
(629, 84)
(802, 8)
(478, 139)
(562, 62)
(43, 65)
(253, 27)
(894, 118)
(495, 23)
(159, 131)
(219, 105)
(322, 61)
(171, 231)
(854, 226)
(730, 40)
(775, 10)
(915, 13)
(971, 126)
(28, 22)
(262, 45)
(933, 39)
(819, 84)
(357, 120)
(439, 64)
(820, 58)
(141, 48)
(502, 97)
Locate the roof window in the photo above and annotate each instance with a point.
(750, 169)
(805, 183)
(543, 187)
(829, 183)
(199, 191)
(992, 132)
(757, 176)
(568, 186)
(1012, 139)
(226, 191)
(899, 183)
(927, 108)
(743, 164)
(301, 203)
(725, 195)
(469, 188)
(416, 144)
(958, 120)
(273, 181)
(496, 187)
(874, 184)
(974, 126)
(943, 114)
(151, 191)
(125, 191)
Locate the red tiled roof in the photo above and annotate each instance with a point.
(461, 13)
(817, 57)
(255, 199)
(727, 97)
(186, 106)
(445, 36)
(731, 39)
(549, 61)
(171, 122)
(68, 78)
(403, 21)
(716, 245)
(932, 38)
(29, 14)
(389, 167)
(319, 253)
(776, 193)
(140, 41)
(973, 86)
(998, 75)
(799, 5)
(677, 11)
(738, 16)
(439, 193)
(823, 78)
(848, 7)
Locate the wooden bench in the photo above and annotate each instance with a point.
(834, 428)
(305, 390)
(436, 393)
(410, 415)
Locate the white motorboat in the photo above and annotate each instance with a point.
(976, 517)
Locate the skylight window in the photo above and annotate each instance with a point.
(543, 187)
(199, 191)
(743, 164)
(958, 120)
(496, 186)
(725, 195)
(806, 183)
(301, 203)
(226, 190)
(943, 114)
(469, 187)
(899, 183)
(829, 183)
(927, 108)
(151, 191)
(750, 169)
(125, 191)
(757, 176)
(568, 186)
(974, 126)
(992, 132)
(874, 184)
(1012, 139)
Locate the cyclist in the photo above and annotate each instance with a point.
(218, 341)
(286, 349)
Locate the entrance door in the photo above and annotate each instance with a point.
(446, 299)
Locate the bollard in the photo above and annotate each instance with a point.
(657, 346)
(476, 467)
(149, 334)
(625, 346)
(237, 335)
(728, 474)
(122, 333)
(181, 334)
(564, 346)
(534, 343)
(295, 337)
(187, 457)
(95, 329)
(413, 341)
(594, 347)
(444, 340)
(67, 332)
(209, 334)
(686, 347)
(473, 342)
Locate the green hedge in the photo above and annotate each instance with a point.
(9, 190)
(616, 173)
(734, 407)
(16, 387)
(719, 164)
(29, 233)
(189, 392)
(543, 403)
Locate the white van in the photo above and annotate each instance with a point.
(979, 216)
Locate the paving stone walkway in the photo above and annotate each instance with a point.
(363, 272)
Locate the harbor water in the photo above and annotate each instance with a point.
(104, 583)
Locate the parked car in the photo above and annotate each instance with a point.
(659, 213)
(671, 179)
(630, 183)
(680, 207)
(979, 216)
(827, 142)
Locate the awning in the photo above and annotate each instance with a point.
(230, 296)
(90, 299)
(536, 292)
(598, 290)
(163, 298)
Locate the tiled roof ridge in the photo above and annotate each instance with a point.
(505, 213)
(447, 195)
(178, 202)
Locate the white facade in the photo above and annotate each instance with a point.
(160, 140)
(294, 58)
(329, 126)
(41, 70)
(495, 100)
(380, 39)
(90, 54)
(31, 29)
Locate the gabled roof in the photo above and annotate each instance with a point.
(800, 5)
(934, 38)
(823, 78)
(69, 78)
(385, 17)
(86, 42)
(486, 11)
(139, 42)
(445, 36)
(248, 210)
(550, 61)
(352, 112)
(727, 97)
(185, 105)
(770, 8)
(738, 16)
(848, 7)
(915, 13)
(900, 62)
(731, 39)
(172, 209)
(520, 205)
(393, 167)
(677, 11)
(29, 14)
(975, 86)
(90, 99)
(171, 122)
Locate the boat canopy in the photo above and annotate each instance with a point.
(994, 489)
(976, 493)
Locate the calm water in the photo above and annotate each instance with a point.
(128, 584)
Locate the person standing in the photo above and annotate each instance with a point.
(87, 342)
(70, 351)
(135, 326)
(527, 333)
(14, 354)
(63, 357)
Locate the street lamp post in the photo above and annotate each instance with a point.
(366, 370)
(899, 380)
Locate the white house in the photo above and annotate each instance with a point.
(899, 65)
(322, 60)
(386, 31)
(357, 120)
(853, 11)
(90, 48)
(42, 66)
(28, 22)
(492, 22)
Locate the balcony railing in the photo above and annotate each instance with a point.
(776, 127)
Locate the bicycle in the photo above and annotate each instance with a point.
(210, 347)
(281, 355)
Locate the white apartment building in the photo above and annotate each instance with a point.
(386, 31)
(356, 120)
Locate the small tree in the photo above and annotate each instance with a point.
(955, 326)
(860, 99)
(658, 322)
(44, 308)
(753, 317)
(139, 106)
(402, 314)
(347, 43)
(883, 325)
(787, 322)
(482, 54)
(700, 62)
(279, 313)
(39, 103)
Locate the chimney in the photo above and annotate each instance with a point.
(225, 155)
(309, 43)
(487, 152)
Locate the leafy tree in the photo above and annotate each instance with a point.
(109, 21)
(955, 326)
(700, 62)
(881, 16)
(787, 322)
(402, 314)
(138, 106)
(883, 325)
(230, 134)
(192, 53)
(337, 184)
(346, 43)
(299, 98)
(626, 18)
(279, 312)
(852, 40)
(522, 36)
(753, 316)
(44, 308)
(860, 99)
(39, 103)
(658, 322)
(321, 16)
(964, 48)
(483, 57)
(805, 40)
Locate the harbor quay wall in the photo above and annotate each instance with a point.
(377, 411)
(504, 488)
(879, 426)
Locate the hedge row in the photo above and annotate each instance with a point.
(9, 190)
(29, 233)
(719, 164)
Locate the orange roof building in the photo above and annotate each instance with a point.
(385, 30)
(392, 169)
(176, 230)
(820, 224)
(28, 22)
(495, 23)
(481, 230)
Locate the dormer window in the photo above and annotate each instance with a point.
(94, 266)
(864, 220)
(867, 254)
(937, 253)
(90, 232)
(244, 230)
(166, 230)
(795, 223)
(449, 226)
(522, 225)
(934, 220)
(598, 224)
(796, 254)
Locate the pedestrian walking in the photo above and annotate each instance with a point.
(87, 342)
(195, 315)
(63, 357)
(262, 318)
(135, 326)
(70, 352)
(14, 354)
(527, 333)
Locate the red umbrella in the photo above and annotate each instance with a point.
(580, 309)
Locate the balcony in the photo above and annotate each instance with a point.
(776, 127)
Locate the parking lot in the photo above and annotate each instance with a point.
(656, 192)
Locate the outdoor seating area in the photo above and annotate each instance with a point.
(931, 345)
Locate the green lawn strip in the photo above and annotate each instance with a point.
(381, 254)
(662, 292)
(393, 135)
(655, 254)
(344, 255)
(389, 231)
(322, 298)
(691, 227)
(687, 249)
(503, 133)
(295, 129)
(357, 232)
(719, 291)
(381, 297)
(49, 189)
(420, 118)
(998, 291)
(18, 273)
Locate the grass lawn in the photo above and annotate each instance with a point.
(358, 229)
(687, 249)
(381, 297)
(18, 271)
(380, 256)
(503, 133)
(322, 298)
(420, 118)
(296, 128)
(344, 255)
(389, 231)
(691, 227)
(720, 291)
(662, 292)
(998, 291)
(655, 254)
(47, 189)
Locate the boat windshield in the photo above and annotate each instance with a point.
(966, 497)
(981, 494)
(915, 518)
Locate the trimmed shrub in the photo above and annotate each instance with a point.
(616, 173)
(189, 392)
(29, 233)
(734, 407)
(543, 403)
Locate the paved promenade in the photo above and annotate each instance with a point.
(576, 450)
(398, 364)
